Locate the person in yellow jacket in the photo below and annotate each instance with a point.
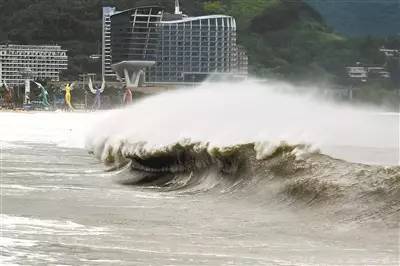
(67, 97)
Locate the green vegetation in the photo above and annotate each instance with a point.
(360, 17)
(213, 7)
(290, 40)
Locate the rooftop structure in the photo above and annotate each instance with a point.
(42, 61)
(177, 8)
(177, 48)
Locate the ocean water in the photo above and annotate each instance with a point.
(207, 176)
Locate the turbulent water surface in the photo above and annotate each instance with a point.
(169, 183)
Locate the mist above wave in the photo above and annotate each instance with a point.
(226, 114)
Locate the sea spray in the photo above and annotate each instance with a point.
(225, 114)
(58, 128)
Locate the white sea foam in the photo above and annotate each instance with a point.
(17, 187)
(17, 234)
(28, 225)
(64, 129)
(225, 114)
(9, 146)
(11, 242)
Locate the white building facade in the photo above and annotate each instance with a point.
(44, 62)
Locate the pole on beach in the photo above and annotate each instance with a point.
(27, 99)
(27, 75)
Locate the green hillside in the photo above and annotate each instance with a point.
(360, 17)
(289, 39)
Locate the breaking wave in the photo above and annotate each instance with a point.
(264, 142)
(287, 173)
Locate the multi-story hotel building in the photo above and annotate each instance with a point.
(42, 61)
(178, 48)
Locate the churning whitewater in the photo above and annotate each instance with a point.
(264, 138)
(223, 174)
(229, 114)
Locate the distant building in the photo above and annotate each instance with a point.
(390, 52)
(363, 73)
(44, 62)
(378, 73)
(357, 72)
(177, 48)
(191, 49)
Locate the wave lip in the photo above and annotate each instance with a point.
(226, 114)
(295, 174)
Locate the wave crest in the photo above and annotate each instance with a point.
(222, 146)
(311, 179)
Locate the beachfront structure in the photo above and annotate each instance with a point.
(44, 62)
(150, 44)
(107, 72)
